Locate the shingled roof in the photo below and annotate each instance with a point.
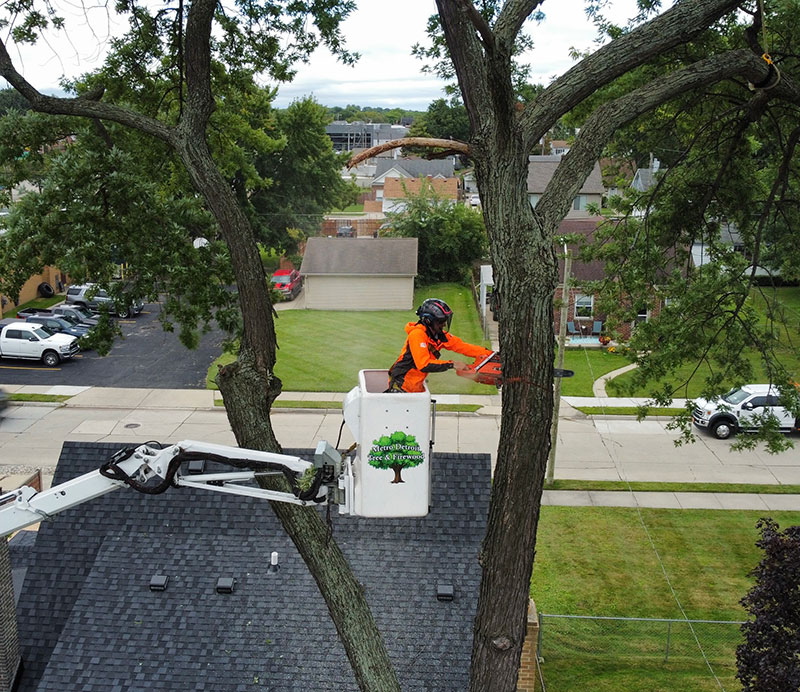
(542, 168)
(415, 168)
(88, 620)
(360, 256)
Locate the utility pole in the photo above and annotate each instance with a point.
(562, 337)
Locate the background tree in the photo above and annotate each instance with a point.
(451, 236)
(304, 178)
(177, 67)
(768, 659)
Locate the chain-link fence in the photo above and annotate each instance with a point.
(683, 649)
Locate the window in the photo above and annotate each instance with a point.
(641, 315)
(579, 203)
(584, 307)
(758, 401)
(13, 334)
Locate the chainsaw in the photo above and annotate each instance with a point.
(488, 370)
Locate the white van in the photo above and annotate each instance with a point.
(736, 410)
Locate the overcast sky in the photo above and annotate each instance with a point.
(382, 32)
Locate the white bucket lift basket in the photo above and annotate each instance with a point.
(391, 472)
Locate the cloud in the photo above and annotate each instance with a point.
(387, 75)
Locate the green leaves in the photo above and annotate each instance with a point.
(451, 236)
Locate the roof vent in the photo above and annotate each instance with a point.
(225, 584)
(445, 592)
(158, 582)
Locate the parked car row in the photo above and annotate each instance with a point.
(52, 336)
(91, 297)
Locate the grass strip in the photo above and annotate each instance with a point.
(627, 411)
(643, 486)
(54, 398)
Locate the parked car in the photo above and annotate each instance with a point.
(58, 325)
(92, 296)
(77, 313)
(474, 200)
(288, 282)
(345, 232)
(33, 342)
(737, 410)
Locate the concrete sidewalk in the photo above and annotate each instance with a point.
(680, 500)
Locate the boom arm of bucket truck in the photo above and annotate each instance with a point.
(151, 469)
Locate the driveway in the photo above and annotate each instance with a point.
(146, 356)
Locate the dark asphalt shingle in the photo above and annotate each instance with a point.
(88, 620)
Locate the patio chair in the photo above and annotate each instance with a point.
(572, 329)
(597, 328)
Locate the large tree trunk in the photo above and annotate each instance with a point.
(249, 386)
(525, 277)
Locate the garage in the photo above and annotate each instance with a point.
(359, 273)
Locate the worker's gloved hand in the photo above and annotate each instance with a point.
(460, 366)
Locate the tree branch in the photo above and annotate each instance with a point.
(512, 17)
(674, 27)
(480, 24)
(429, 142)
(469, 60)
(80, 106)
(577, 164)
(199, 100)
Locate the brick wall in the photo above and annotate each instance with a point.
(9, 639)
(29, 290)
(528, 673)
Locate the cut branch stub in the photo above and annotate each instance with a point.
(452, 144)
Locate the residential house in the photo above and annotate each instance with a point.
(359, 273)
(559, 147)
(89, 619)
(540, 172)
(397, 190)
(409, 168)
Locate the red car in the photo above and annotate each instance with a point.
(288, 282)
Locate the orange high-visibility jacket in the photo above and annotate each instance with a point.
(420, 355)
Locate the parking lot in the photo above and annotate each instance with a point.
(145, 356)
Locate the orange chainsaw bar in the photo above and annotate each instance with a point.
(489, 370)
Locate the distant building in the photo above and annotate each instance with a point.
(360, 135)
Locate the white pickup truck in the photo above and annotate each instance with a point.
(740, 408)
(31, 341)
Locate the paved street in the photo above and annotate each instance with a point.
(589, 448)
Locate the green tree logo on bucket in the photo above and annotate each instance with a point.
(397, 451)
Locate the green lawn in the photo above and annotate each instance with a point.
(599, 561)
(322, 351)
(788, 353)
